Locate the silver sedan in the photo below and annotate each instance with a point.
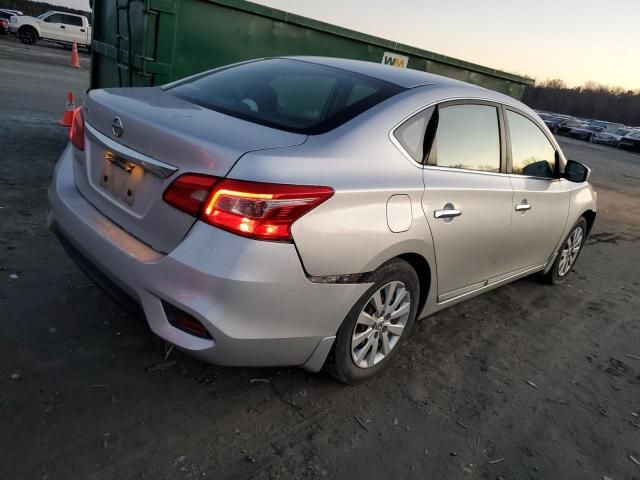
(306, 211)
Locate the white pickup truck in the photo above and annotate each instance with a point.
(59, 27)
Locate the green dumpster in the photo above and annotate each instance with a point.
(152, 42)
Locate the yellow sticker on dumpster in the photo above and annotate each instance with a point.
(395, 60)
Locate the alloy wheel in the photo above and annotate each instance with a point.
(380, 324)
(570, 251)
(28, 37)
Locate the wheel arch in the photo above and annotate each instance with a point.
(32, 27)
(424, 273)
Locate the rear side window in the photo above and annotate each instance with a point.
(73, 20)
(531, 152)
(468, 137)
(411, 135)
(289, 95)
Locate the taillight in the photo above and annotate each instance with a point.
(189, 192)
(76, 133)
(263, 211)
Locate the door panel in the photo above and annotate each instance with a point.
(535, 232)
(51, 27)
(541, 200)
(73, 32)
(469, 246)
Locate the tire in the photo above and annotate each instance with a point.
(397, 281)
(28, 35)
(568, 253)
(555, 130)
(590, 138)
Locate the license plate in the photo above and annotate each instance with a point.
(120, 178)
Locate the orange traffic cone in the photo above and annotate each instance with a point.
(67, 115)
(75, 59)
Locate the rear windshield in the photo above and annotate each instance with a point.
(291, 95)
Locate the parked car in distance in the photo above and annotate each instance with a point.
(612, 137)
(581, 133)
(5, 16)
(563, 125)
(630, 141)
(11, 11)
(543, 115)
(292, 211)
(602, 126)
(552, 121)
(59, 27)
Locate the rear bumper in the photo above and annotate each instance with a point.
(253, 297)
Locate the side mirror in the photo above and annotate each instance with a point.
(576, 172)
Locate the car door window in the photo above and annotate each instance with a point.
(73, 20)
(55, 18)
(532, 153)
(468, 137)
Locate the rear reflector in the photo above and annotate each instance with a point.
(185, 322)
(76, 133)
(263, 211)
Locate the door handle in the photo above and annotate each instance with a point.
(82, 29)
(447, 212)
(523, 206)
(62, 26)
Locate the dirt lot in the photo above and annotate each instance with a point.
(527, 382)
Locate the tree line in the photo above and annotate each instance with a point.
(592, 100)
(33, 9)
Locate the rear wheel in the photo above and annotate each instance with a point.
(377, 325)
(568, 253)
(28, 35)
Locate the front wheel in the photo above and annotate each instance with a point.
(377, 325)
(568, 254)
(28, 35)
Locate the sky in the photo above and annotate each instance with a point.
(574, 40)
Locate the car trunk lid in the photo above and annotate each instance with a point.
(139, 140)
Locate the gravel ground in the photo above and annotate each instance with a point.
(527, 382)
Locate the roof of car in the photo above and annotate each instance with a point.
(403, 77)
